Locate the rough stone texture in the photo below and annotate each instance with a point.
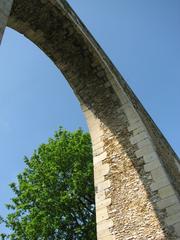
(5, 7)
(136, 172)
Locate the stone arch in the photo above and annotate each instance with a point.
(136, 171)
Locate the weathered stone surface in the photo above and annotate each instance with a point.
(5, 7)
(166, 192)
(137, 163)
(177, 229)
(173, 219)
(164, 203)
(173, 209)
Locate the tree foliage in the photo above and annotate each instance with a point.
(54, 197)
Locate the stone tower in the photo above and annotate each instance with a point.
(137, 174)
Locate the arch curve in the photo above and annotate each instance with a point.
(136, 171)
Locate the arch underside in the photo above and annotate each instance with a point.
(136, 171)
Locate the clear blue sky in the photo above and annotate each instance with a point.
(141, 37)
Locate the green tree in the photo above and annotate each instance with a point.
(54, 197)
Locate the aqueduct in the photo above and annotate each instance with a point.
(137, 174)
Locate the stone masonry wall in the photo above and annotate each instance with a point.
(136, 177)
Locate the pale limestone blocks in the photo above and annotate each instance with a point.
(168, 199)
(104, 223)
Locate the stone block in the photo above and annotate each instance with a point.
(97, 146)
(1, 34)
(173, 209)
(3, 20)
(139, 130)
(152, 165)
(136, 125)
(151, 157)
(109, 237)
(166, 192)
(88, 113)
(104, 185)
(159, 184)
(93, 123)
(101, 214)
(122, 96)
(98, 151)
(164, 203)
(177, 163)
(98, 180)
(103, 233)
(100, 196)
(145, 150)
(104, 225)
(101, 170)
(104, 203)
(177, 229)
(5, 5)
(96, 134)
(158, 173)
(139, 137)
(129, 110)
(144, 142)
(97, 140)
(173, 219)
(100, 158)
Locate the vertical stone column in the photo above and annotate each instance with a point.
(5, 8)
(103, 221)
